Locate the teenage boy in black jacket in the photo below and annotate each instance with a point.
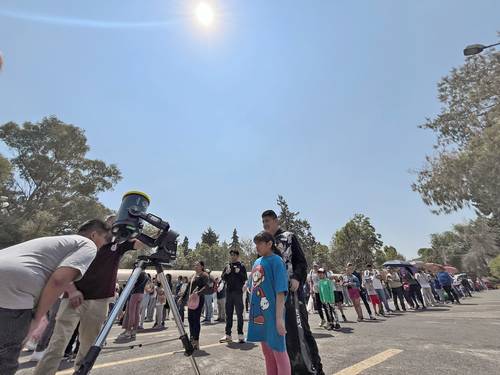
(235, 277)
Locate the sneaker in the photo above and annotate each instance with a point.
(30, 345)
(196, 344)
(323, 322)
(124, 336)
(372, 317)
(226, 338)
(37, 356)
(241, 339)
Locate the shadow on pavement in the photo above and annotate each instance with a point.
(321, 335)
(200, 353)
(346, 330)
(237, 346)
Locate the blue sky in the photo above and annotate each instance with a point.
(316, 100)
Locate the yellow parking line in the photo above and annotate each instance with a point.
(369, 362)
(138, 359)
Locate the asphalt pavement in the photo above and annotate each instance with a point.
(451, 339)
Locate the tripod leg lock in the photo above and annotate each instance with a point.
(187, 344)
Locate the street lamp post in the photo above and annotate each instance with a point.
(474, 49)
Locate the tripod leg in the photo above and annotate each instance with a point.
(188, 347)
(93, 353)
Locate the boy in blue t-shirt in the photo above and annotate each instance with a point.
(269, 285)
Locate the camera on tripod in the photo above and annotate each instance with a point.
(129, 225)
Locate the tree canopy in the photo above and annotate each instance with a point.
(50, 183)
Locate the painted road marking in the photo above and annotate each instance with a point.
(353, 370)
(369, 362)
(138, 359)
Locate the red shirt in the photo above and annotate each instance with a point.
(100, 279)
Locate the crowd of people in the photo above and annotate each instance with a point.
(58, 291)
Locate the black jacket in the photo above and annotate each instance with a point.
(235, 277)
(290, 250)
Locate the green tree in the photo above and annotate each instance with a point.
(469, 247)
(54, 186)
(5, 172)
(429, 255)
(185, 246)
(248, 253)
(494, 266)
(322, 255)
(235, 241)
(385, 254)
(290, 221)
(209, 237)
(465, 169)
(356, 242)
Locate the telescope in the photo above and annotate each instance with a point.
(129, 225)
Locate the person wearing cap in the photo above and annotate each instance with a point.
(313, 280)
(325, 288)
(234, 277)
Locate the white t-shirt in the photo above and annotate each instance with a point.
(422, 280)
(314, 279)
(25, 268)
(372, 275)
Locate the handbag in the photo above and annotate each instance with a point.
(194, 298)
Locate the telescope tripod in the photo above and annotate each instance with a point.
(142, 264)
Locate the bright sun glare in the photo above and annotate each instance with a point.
(205, 14)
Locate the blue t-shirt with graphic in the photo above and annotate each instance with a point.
(269, 277)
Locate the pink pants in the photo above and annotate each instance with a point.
(277, 363)
(131, 320)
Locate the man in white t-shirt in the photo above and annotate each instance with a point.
(33, 274)
(376, 279)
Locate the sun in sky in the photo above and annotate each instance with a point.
(204, 13)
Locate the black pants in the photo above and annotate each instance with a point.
(451, 293)
(318, 306)
(397, 293)
(234, 301)
(293, 339)
(194, 317)
(329, 312)
(14, 326)
(362, 292)
(416, 294)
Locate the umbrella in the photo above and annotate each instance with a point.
(450, 269)
(396, 263)
(401, 264)
(433, 267)
(417, 263)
